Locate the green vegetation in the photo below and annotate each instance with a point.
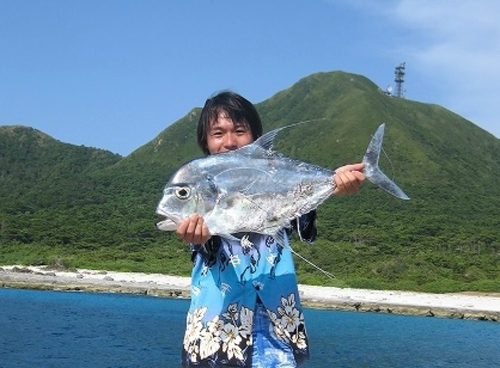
(90, 208)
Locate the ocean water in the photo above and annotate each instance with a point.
(61, 329)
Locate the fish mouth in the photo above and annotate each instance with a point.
(166, 225)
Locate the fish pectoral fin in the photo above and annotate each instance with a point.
(247, 204)
(248, 187)
(243, 171)
(234, 213)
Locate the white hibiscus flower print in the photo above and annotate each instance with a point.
(193, 331)
(231, 339)
(288, 323)
(210, 339)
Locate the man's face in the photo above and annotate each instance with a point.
(225, 135)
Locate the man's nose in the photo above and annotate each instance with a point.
(230, 142)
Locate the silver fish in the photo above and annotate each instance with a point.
(256, 189)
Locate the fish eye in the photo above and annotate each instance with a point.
(182, 193)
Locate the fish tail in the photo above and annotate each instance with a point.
(373, 172)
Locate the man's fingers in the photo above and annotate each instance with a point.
(352, 167)
(347, 181)
(181, 229)
(198, 231)
(191, 229)
(360, 177)
(204, 232)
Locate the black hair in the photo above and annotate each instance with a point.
(238, 108)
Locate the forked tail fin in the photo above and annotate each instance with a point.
(372, 171)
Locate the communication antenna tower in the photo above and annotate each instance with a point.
(400, 73)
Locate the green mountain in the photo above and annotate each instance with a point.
(41, 172)
(89, 208)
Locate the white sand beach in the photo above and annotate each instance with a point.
(457, 305)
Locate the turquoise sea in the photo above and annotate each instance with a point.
(61, 329)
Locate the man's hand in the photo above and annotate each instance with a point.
(348, 179)
(193, 230)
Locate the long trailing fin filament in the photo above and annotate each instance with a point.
(328, 274)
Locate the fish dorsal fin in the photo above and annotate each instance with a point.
(262, 146)
(266, 141)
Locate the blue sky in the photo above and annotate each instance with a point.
(113, 74)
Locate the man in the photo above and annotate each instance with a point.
(245, 307)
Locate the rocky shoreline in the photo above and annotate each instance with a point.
(458, 305)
